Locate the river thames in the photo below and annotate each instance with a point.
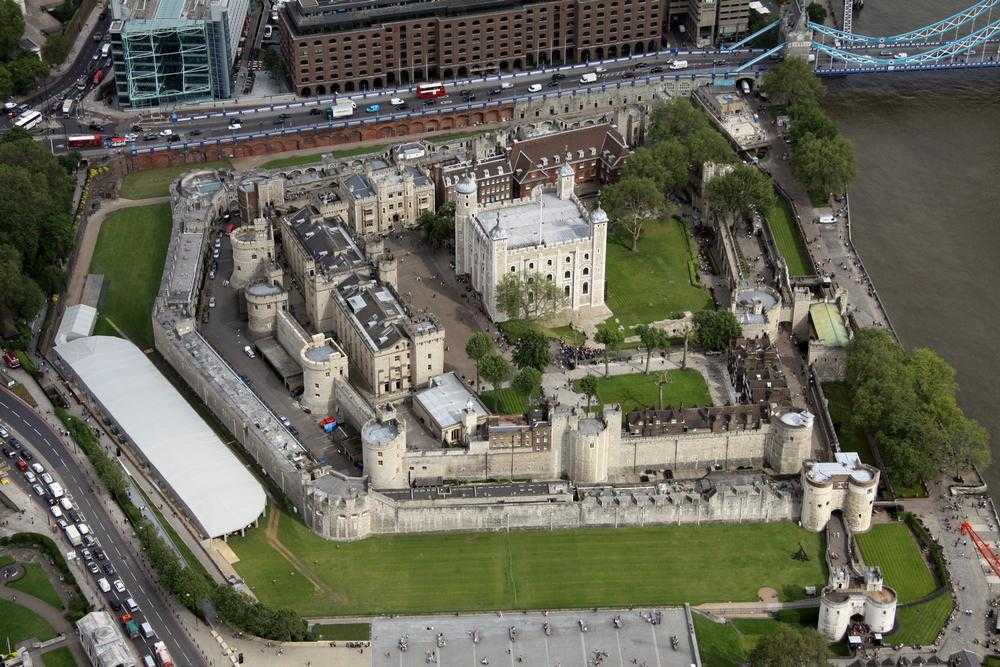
(925, 207)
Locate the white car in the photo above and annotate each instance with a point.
(235, 125)
(47, 478)
(37, 468)
(247, 350)
(396, 102)
(119, 586)
(4, 433)
(166, 133)
(30, 476)
(83, 528)
(534, 88)
(504, 85)
(56, 511)
(211, 302)
(104, 585)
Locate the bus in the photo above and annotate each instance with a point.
(83, 141)
(67, 107)
(28, 119)
(428, 91)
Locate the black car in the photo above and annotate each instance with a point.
(137, 128)
(641, 66)
(115, 604)
(495, 91)
(74, 516)
(195, 133)
(285, 116)
(552, 84)
(315, 111)
(100, 555)
(279, 121)
(657, 69)
(719, 61)
(628, 75)
(558, 76)
(150, 136)
(9, 453)
(27, 456)
(108, 568)
(96, 127)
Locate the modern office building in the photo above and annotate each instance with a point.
(710, 21)
(167, 51)
(346, 45)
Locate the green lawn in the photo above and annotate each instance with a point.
(504, 401)
(410, 574)
(316, 158)
(788, 239)
(894, 549)
(653, 283)
(453, 136)
(852, 439)
(343, 631)
(130, 252)
(920, 624)
(36, 582)
(5, 560)
(730, 644)
(18, 623)
(60, 657)
(637, 391)
(156, 182)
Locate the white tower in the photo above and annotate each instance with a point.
(567, 182)
(466, 206)
(383, 448)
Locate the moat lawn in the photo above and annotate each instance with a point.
(130, 252)
(426, 573)
(893, 548)
(156, 182)
(637, 391)
(654, 283)
(786, 234)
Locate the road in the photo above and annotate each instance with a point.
(44, 441)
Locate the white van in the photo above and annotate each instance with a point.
(103, 584)
(132, 605)
(148, 661)
(826, 219)
(55, 488)
(56, 512)
(679, 64)
(589, 77)
(66, 504)
(534, 88)
(37, 468)
(83, 528)
(147, 630)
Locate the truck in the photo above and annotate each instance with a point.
(56, 489)
(343, 108)
(162, 655)
(10, 359)
(132, 628)
(589, 77)
(73, 535)
(67, 106)
(679, 64)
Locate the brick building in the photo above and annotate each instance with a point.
(336, 46)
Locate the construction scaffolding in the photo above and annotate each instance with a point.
(164, 62)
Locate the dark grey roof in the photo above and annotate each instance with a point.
(329, 244)
(359, 186)
(504, 490)
(376, 312)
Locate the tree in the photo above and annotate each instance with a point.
(587, 385)
(55, 49)
(823, 165)
(633, 203)
(787, 646)
(532, 351)
(741, 192)
(808, 118)
(715, 329)
(529, 296)
(438, 226)
(610, 335)
(651, 339)
(707, 145)
(11, 27)
(678, 118)
(20, 297)
(816, 12)
(791, 80)
(274, 63)
(25, 71)
(478, 345)
(528, 383)
(6, 83)
(495, 369)
(675, 160)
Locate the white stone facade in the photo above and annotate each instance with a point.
(846, 484)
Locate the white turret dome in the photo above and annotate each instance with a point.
(598, 216)
(466, 186)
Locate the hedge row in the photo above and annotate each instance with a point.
(193, 589)
(78, 605)
(935, 551)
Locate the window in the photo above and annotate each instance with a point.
(567, 274)
(567, 290)
(586, 271)
(586, 288)
(568, 259)
(586, 255)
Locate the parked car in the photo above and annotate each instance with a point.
(247, 350)
(119, 586)
(373, 108)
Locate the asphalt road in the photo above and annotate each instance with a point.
(54, 92)
(42, 440)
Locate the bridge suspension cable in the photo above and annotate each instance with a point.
(933, 32)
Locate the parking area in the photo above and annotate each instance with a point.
(647, 637)
(225, 329)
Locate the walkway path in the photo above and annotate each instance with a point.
(556, 384)
(52, 616)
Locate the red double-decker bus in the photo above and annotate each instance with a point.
(427, 91)
(83, 141)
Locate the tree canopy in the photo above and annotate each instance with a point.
(792, 80)
(494, 368)
(633, 203)
(715, 329)
(823, 165)
(529, 296)
(816, 12)
(907, 401)
(611, 336)
(787, 646)
(438, 226)
(11, 27)
(36, 228)
(528, 383)
(478, 345)
(741, 192)
(532, 351)
(652, 338)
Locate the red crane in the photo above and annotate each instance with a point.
(982, 547)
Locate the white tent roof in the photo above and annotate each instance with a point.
(218, 491)
(78, 321)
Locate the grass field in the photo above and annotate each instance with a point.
(851, 438)
(156, 182)
(60, 657)
(730, 644)
(343, 631)
(920, 624)
(636, 391)
(504, 401)
(130, 253)
(894, 549)
(6, 559)
(526, 569)
(315, 158)
(653, 283)
(18, 623)
(36, 582)
(788, 239)
(453, 136)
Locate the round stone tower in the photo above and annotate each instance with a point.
(383, 447)
(253, 250)
(861, 489)
(590, 452)
(319, 369)
(791, 442)
(264, 300)
(466, 206)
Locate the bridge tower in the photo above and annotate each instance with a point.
(798, 40)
